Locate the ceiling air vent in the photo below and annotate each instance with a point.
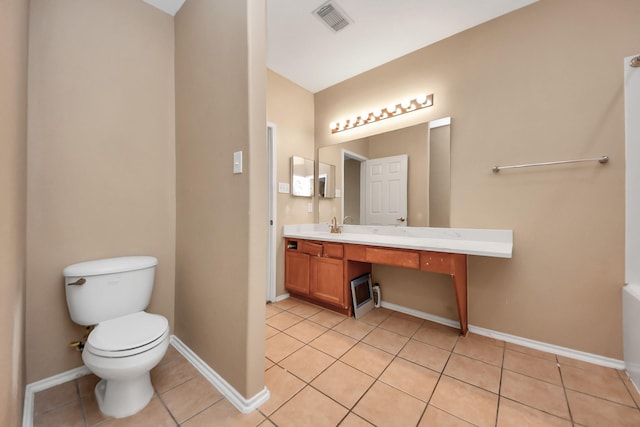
(332, 15)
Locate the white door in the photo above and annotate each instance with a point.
(631, 294)
(632, 134)
(384, 184)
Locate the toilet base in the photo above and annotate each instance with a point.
(121, 399)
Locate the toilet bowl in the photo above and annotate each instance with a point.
(127, 342)
(122, 351)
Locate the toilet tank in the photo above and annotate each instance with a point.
(110, 288)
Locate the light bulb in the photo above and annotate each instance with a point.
(364, 117)
(377, 112)
(405, 104)
(421, 99)
(333, 125)
(391, 109)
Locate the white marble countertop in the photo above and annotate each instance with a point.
(470, 241)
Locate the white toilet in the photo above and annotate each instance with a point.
(127, 342)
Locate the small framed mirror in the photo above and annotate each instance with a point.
(302, 177)
(326, 180)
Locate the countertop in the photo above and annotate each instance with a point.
(470, 241)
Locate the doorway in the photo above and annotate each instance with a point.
(272, 211)
(350, 198)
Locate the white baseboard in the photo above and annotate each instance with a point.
(227, 390)
(240, 402)
(525, 342)
(281, 297)
(31, 389)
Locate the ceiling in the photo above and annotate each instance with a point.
(169, 6)
(305, 50)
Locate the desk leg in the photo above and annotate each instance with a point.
(459, 277)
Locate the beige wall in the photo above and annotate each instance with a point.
(221, 216)
(542, 83)
(439, 160)
(290, 110)
(13, 183)
(101, 176)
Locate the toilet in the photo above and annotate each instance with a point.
(127, 342)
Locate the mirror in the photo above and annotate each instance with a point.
(427, 146)
(302, 177)
(326, 180)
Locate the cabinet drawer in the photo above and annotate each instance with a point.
(436, 262)
(333, 250)
(355, 252)
(313, 249)
(395, 257)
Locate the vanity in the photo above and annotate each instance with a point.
(319, 265)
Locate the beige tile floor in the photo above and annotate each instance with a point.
(386, 369)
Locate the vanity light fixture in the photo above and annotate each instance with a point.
(392, 110)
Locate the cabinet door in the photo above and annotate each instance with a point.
(326, 280)
(296, 272)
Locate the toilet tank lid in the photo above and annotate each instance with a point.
(109, 265)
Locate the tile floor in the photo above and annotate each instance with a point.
(386, 369)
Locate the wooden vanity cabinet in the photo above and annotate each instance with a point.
(320, 272)
(315, 271)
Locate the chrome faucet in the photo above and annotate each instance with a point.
(335, 228)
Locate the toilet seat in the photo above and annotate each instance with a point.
(127, 335)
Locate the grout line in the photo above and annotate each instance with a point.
(564, 389)
(349, 410)
(440, 375)
(424, 411)
(80, 401)
(164, 404)
(504, 354)
(451, 351)
(376, 379)
(630, 388)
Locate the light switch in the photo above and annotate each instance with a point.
(309, 207)
(283, 187)
(337, 192)
(237, 162)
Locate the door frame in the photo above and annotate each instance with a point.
(272, 212)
